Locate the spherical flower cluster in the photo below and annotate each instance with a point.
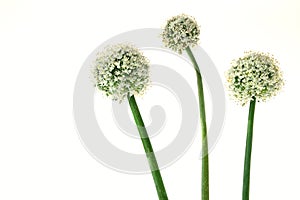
(180, 32)
(256, 75)
(121, 70)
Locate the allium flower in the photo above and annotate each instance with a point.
(256, 75)
(180, 32)
(121, 70)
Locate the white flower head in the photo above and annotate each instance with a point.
(180, 32)
(256, 75)
(121, 70)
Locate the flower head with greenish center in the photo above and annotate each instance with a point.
(254, 75)
(180, 32)
(121, 70)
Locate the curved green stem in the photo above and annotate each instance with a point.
(205, 166)
(160, 188)
(247, 163)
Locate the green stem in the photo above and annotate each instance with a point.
(160, 188)
(205, 166)
(247, 163)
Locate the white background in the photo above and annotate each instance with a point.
(42, 47)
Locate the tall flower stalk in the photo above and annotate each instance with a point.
(253, 78)
(180, 34)
(121, 71)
